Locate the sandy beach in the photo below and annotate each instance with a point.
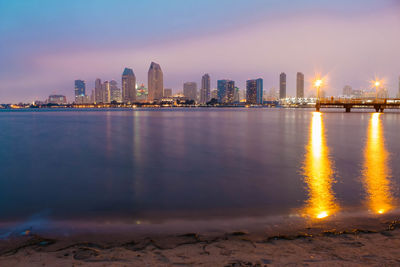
(374, 244)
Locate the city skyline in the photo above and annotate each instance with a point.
(61, 49)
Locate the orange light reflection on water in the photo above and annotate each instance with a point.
(376, 172)
(318, 173)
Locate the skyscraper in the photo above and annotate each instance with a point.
(98, 91)
(115, 92)
(155, 82)
(254, 91)
(236, 96)
(282, 86)
(226, 91)
(80, 88)
(205, 89)
(128, 86)
(106, 92)
(300, 85)
(190, 90)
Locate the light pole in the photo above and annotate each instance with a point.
(318, 84)
(377, 84)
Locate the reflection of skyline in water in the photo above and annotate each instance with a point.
(318, 173)
(376, 172)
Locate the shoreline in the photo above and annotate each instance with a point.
(375, 241)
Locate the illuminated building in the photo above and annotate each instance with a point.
(282, 85)
(98, 91)
(57, 99)
(376, 172)
(318, 173)
(82, 99)
(205, 89)
(167, 92)
(236, 96)
(155, 82)
(190, 90)
(300, 85)
(106, 92)
(80, 88)
(214, 94)
(115, 92)
(128, 83)
(254, 91)
(141, 93)
(226, 91)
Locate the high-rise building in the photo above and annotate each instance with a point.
(190, 90)
(254, 91)
(167, 92)
(300, 85)
(98, 91)
(115, 92)
(155, 82)
(226, 91)
(282, 86)
(214, 94)
(128, 86)
(106, 92)
(205, 89)
(236, 96)
(80, 88)
(347, 91)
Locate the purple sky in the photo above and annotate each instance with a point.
(45, 45)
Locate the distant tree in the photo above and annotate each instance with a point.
(212, 102)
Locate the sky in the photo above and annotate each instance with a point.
(45, 45)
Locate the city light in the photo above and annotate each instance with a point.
(318, 83)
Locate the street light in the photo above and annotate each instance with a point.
(318, 84)
(377, 84)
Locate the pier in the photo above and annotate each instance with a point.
(378, 104)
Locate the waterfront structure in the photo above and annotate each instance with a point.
(167, 92)
(80, 88)
(128, 83)
(155, 82)
(282, 85)
(115, 92)
(226, 91)
(190, 90)
(254, 91)
(98, 91)
(300, 85)
(347, 91)
(205, 89)
(57, 99)
(106, 92)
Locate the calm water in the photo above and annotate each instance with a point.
(163, 164)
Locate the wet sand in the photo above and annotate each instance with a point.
(373, 242)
